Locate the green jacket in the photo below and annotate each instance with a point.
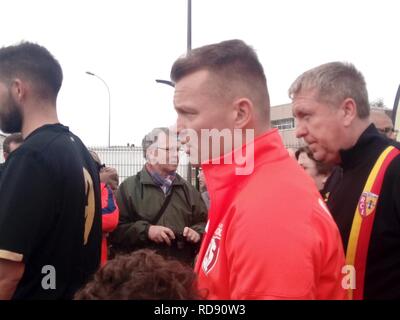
(139, 200)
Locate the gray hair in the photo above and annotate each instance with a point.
(152, 138)
(334, 82)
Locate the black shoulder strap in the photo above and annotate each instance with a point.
(163, 207)
(159, 213)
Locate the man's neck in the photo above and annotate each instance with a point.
(37, 116)
(357, 130)
(157, 170)
(250, 133)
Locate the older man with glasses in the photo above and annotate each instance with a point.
(158, 208)
(383, 123)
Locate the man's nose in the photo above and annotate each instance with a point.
(301, 130)
(182, 131)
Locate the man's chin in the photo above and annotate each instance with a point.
(326, 158)
(11, 125)
(172, 167)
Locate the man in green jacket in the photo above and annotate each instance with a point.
(158, 208)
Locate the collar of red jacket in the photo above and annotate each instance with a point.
(267, 147)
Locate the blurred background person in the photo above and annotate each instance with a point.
(12, 142)
(109, 207)
(383, 123)
(203, 189)
(292, 153)
(318, 171)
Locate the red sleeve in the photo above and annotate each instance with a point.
(109, 209)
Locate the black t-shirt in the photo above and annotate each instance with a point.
(382, 278)
(1, 169)
(50, 213)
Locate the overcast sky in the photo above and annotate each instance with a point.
(130, 43)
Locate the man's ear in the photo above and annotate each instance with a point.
(349, 111)
(244, 112)
(18, 89)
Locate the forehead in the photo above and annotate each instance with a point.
(193, 84)
(164, 139)
(307, 101)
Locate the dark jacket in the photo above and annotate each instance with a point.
(382, 278)
(139, 200)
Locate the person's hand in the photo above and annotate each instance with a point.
(160, 234)
(109, 176)
(191, 235)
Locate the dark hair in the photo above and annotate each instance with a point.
(141, 275)
(35, 63)
(231, 61)
(322, 168)
(12, 138)
(152, 137)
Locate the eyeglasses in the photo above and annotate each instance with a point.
(170, 149)
(388, 131)
(385, 130)
(100, 166)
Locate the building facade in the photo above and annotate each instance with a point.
(282, 118)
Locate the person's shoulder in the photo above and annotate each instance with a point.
(130, 181)
(180, 181)
(394, 165)
(50, 138)
(393, 170)
(283, 179)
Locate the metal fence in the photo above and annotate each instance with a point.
(129, 160)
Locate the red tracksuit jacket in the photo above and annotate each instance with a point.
(269, 235)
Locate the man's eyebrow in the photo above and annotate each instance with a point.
(185, 109)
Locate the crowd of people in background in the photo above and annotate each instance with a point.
(317, 222)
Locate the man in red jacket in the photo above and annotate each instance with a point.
(269, 234)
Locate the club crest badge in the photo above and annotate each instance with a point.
(211, 256)
(367, 203)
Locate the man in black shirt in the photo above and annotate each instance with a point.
(331, 105)
(50, 227)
